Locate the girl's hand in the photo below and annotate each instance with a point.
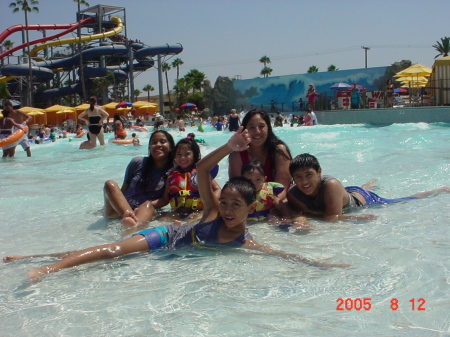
(240, 140)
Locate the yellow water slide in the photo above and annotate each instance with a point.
(115, 31)
(87, 38)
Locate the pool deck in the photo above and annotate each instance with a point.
(385, 116)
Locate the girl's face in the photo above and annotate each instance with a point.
(184, 157)
(258, 130)
(159, 147)
(233, 208)
(256, 178)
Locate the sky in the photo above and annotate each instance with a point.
(228, 37)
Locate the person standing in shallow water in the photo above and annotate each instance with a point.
(233, 120)
(95, 115)
(22, 118)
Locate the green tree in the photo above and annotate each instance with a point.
(182, 88)
(176, 64)
(265, 60)
(165, 67)
(149, 88)
(4, 91)
(313, 69)
(24, 5)
(137, 93)
(443, 46)
(332, 67)
(83, 86)
(196, 78)
(7, 44)
(266, 71)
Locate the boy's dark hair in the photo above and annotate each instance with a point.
(302, 161)
(253, 165)
(8, 103)
(245, 188)
(190, 142)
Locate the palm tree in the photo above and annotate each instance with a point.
(313, 69)
(149, 88)
(23, 5)
(4, 91)
(196, 78)
(8, 44)
(265, 60)
(443, 46)
(83, 86)
(182, 87)
(266, 71)
(137, 92)
(332, 67)
(176, 64)
(166, 67)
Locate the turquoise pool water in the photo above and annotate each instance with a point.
(52, 202)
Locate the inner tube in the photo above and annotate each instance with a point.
(14, 139)
(81, 134)
(139, 128)
(121, 141)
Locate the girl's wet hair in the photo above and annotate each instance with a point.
(304, 160)
(253, 165)
(272, 140)
(192, 144)
(245, 188)
(150, 164)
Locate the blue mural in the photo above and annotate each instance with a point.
(286, 91)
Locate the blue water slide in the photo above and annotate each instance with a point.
(41, 73)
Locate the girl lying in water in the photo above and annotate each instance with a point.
(223, 223)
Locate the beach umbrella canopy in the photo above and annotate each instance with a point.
(400, 91)
(35, 113)
(138, 104)
(66, 111)
(188, 106)
(149, 108)
(123, 104)
(82, 107)
(341, 86)
(111, 105)
(55, 108)
(415, 70)
(28, 109)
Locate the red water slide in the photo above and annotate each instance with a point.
(17, 28)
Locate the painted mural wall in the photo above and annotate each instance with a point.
(286, 91)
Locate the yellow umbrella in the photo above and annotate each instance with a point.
(28, 109)
(35, 113)
(411, 79)
(56, 108)
(82, 106)
(66, 111)
(139, 104)
(149, 108)
(111, 105)
(415, 70)
(1, 115)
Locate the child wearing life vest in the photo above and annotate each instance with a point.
(182, 186)
(266, 192)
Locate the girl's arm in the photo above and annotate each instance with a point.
(164, 200)
(282, 174)
(250, 244)
(81, 116)
(238, 142)
(16, 124)
(104, 114)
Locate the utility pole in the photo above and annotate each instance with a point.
(365, 52)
